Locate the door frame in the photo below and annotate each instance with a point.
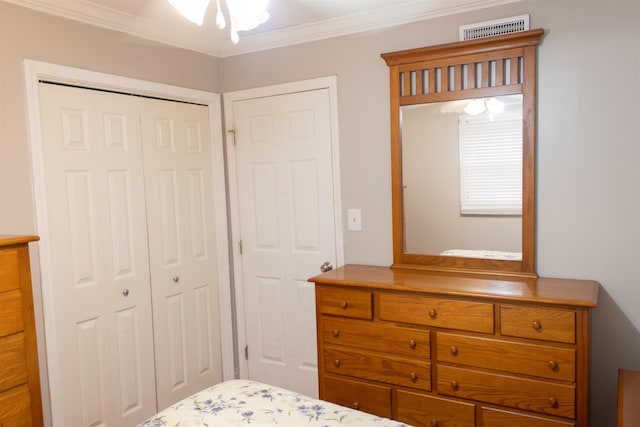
(330, 83)
(35, 71)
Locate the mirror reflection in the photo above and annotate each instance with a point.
(462, 178)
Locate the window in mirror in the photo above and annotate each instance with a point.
(491, 157)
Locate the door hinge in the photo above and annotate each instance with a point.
(246, 352)
(240, 246)
(232, 131)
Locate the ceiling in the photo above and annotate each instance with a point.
(291, 21)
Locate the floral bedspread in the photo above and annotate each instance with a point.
(242, 402)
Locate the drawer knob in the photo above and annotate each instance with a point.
(336, 333)
(336, 363)
(553, 402)
(433, 313)
(414, 377)
(344, 305)
(412, 343)
(454, 385)
(356, 405)
(553, 365)
(454, 350)
(536, 325)
(434, 423)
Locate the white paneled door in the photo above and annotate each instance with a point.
(178, 176)
(128, 202)
(287, 227)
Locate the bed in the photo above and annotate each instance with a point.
(482, 253)
(243, 402)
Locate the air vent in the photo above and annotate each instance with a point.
(494, 28)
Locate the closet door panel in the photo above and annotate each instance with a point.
(102, 361)
(178, 178)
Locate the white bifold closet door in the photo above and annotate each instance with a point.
(133, 269)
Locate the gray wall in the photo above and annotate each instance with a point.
(588, 150)
(588, 202)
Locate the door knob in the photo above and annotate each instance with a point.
(326, 266)
(176, 279)
(125, 292)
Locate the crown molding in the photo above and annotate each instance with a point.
(203, 40)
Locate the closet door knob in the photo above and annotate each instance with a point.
(125, 292)
(176, 279)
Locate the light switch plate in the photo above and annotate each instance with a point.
(354, 219)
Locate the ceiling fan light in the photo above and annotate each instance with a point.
(247, 14)
(475, 107)
(495, 106)
(193, 10)
(220, 22)
(235, 38)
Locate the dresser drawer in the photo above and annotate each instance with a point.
(366, 397)
(376, 336)
(423, 410)
(538, 323)
(378, 367)
(521, 393)
(15, 408)
(442, 313)
(346, 303)
(518, 358)
(11, 312)
(13, 361)
(496, 418)
(9, 270)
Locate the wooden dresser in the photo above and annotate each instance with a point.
(628, 398)
(20, 400)
(439, 350)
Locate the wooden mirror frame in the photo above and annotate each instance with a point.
(449, 72)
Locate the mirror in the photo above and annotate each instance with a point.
(462, 177)
(441, 220)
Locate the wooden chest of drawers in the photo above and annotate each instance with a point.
(20, 400)
(450, 350)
